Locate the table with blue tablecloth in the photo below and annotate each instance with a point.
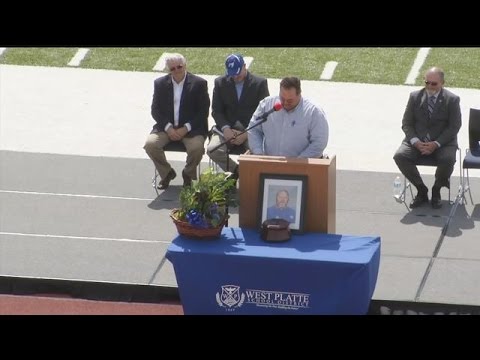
(239, 273)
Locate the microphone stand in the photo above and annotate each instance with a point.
(240, 133)
(226, 142)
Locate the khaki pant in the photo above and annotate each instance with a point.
(195, 150)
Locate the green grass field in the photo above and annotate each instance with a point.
(361, 65)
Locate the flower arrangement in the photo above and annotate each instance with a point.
(203, 205)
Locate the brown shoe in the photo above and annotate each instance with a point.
(187, 180)
(165, 183)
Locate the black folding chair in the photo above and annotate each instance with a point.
(426, 161)
(472, 154)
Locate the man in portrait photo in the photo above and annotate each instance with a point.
(281, 210)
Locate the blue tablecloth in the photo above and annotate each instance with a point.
(241, 274)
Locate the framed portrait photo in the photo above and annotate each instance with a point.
(283, 197)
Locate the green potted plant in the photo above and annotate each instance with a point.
(203, 205)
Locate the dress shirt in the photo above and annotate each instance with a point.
(301, 132)
(177, 97)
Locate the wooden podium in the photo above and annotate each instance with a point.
(320, 210)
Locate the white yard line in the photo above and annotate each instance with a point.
(2, 50)
(328, 70)
(417, 65)
(78, 57)
(248, 61)
(161, 63)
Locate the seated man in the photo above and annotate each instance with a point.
(281, 210)
(431, 123)
(180, 108)
(235, 98)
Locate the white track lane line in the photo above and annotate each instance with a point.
(74, 195)
(80, 237)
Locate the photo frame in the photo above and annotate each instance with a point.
(283, 196)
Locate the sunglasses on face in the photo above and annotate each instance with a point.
(178, 67)
(433, 83)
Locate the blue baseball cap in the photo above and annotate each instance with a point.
(234, 64)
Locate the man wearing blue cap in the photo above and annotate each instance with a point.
(235, 97)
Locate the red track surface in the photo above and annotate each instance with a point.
(47, 305)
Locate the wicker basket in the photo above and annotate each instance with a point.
(184, 228)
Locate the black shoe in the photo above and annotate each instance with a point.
(187, 180)
(165, 183)
(436, 198)
(436, 203)
(419, 200)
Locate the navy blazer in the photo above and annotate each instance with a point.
(444, 124)
(194, 104)
(228, 109)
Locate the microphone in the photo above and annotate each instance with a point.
(276, 107)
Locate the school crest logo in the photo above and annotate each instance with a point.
(230, 297)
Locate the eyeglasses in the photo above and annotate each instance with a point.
(433, 83)
(178, 67)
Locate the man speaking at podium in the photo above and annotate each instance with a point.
(299, 129)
